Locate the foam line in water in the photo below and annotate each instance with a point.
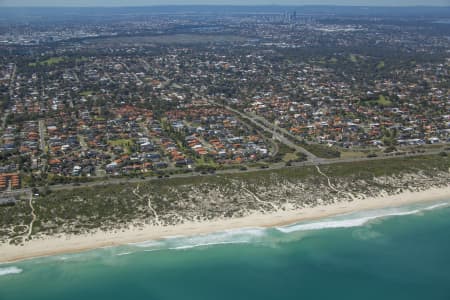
(239, 236)
(357, 220)
(437, 206)
(205, 245)
(10, 271)
(340, 223)
(249, 235)
(235, 236)
(147, 244)
(124, 253)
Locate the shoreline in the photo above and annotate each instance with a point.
(56, 245)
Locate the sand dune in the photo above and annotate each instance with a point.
(76, 243)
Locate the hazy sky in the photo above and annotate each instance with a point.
(230, 2)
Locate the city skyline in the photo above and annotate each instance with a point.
(118, 3)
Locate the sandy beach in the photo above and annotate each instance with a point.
(77, 243)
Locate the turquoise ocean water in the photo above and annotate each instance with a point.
(401, 253)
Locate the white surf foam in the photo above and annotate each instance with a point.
(249, 235)
(147, 244)
(437, 206)
(237, 236)
(9, 271)
(206, 245)
(124, 253)
(356, 220)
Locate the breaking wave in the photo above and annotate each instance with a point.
(436, 206)
(205, 245)
(124, 253)
(261, 235)
(238, 236)
(355, 220)
(10, 270)
(254, 236)
(147, 244)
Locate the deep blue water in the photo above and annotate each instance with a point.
(401, 253)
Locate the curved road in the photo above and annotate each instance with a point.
(274, 130)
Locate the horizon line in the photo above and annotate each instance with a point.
(230, 5)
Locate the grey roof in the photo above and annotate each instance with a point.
(7, 200)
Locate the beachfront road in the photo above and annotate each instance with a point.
(275, 166)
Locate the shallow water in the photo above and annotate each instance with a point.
(400, 253)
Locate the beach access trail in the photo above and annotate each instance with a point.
(30, 227)
(54, 245)
(332, 186)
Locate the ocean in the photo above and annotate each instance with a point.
(397, 253)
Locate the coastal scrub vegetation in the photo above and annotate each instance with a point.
(165, 201)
